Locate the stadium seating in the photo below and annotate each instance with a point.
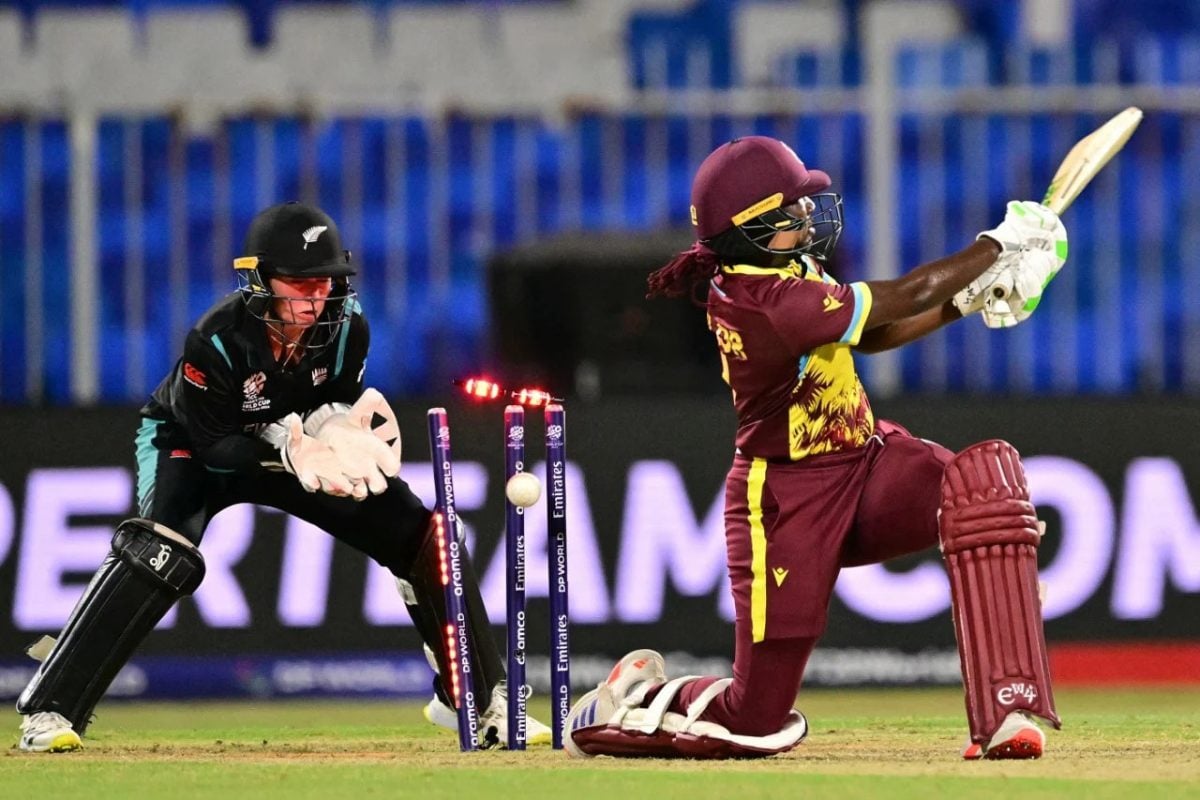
(439, 132)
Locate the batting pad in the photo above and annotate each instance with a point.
(634, 731)
(989, 538)
(149, 567)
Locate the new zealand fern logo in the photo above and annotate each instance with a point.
(313, 233)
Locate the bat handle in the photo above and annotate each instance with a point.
(1002, 288)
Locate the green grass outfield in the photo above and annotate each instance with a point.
(878, 744)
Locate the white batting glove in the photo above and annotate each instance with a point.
(972, 297)
(1026, 279)
(313, 463)
(1027, 227)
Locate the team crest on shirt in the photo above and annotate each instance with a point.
(319, 375)
(251, 392)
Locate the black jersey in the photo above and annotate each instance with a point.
(228, 385)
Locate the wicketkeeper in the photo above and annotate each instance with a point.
(265, 406)
(818, 484)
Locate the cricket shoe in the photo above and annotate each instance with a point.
(493, 722)
(1017, 737)
(624, 688)
(48, 732)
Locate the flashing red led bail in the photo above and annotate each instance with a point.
(531, 397)
(481, 388)
(487, 389)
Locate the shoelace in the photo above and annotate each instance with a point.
(44, 721)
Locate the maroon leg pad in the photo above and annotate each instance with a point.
(989, 537)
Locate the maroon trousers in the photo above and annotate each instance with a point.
(790, 528)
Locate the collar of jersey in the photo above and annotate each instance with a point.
(794, 269)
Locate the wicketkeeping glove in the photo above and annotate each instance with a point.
(370, 455)
(313, 463)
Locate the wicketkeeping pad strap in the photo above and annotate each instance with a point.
(989, 536)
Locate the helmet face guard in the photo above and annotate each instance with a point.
(260, 301)
(823, 221)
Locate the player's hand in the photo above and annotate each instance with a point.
(1026, 280)
(1028, 227)
(372, 406)
(972, 297)
(313, 462)
(366, 457)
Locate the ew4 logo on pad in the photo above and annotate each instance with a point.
(1015, 691)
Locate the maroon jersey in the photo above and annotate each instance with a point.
(785, 337)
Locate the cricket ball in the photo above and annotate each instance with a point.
(523, 489)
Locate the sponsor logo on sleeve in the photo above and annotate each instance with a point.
(195, 377)
(831, 303)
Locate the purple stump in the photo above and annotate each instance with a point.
(556, 534)
(456, 636)
(514, 542)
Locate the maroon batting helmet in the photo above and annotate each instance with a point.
(750, 182)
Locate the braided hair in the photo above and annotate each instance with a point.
(689, 270)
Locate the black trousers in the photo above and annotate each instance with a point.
(175, 489)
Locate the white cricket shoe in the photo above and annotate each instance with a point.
(626, 686)
(1017, 737)
(493, 722)
(48, 732)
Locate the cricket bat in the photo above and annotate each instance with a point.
(1083, 162)
(1088, 157)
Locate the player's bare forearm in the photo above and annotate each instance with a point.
(901, 332)
(929, 286)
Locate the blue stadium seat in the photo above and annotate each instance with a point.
(688, 49)
(959, 63)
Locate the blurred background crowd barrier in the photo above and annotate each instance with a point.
(507, 173)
